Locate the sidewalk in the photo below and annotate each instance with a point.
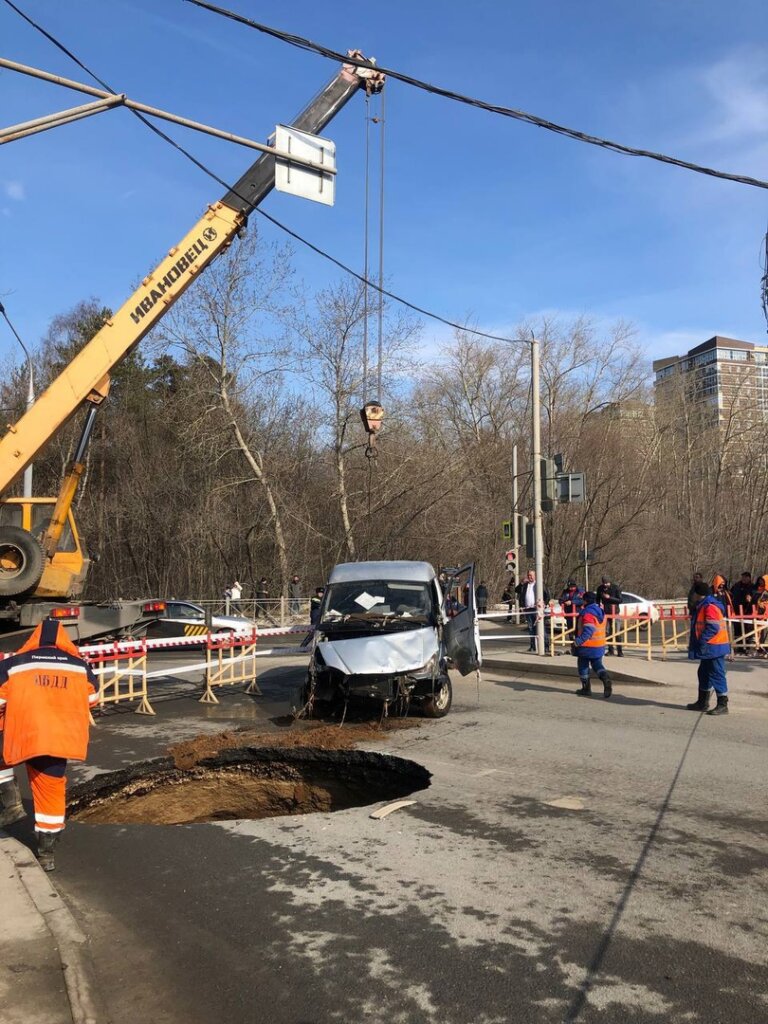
(744, 675)
(45, 971)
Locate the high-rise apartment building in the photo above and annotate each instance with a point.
(723, 377)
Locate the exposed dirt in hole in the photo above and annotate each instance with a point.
(318, 735)
(245, 783)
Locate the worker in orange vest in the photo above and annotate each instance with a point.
(709, 645)
(589, 646)
(46, 690)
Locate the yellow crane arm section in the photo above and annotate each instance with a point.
(24, 440)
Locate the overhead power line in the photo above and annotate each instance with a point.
(231, 188)
(493, 108)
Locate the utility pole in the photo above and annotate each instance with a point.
(515, 533)
(538, 533)
(30, 394)
(586, 564)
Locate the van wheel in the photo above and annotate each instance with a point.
(21, 561)
(438, 705)
(320, 708)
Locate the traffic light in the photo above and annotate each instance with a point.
(511, 560)
(530, 541)
(548, 470)
(506, 529)
(522, 526)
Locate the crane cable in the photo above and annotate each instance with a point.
(382, 139)
(366, 232)
(262, 213)
(525, 116)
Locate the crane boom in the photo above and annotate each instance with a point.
(41, 560)
(209, 237)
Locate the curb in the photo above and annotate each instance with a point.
(551, 667)
(71, 943)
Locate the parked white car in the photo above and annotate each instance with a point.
(631, 604)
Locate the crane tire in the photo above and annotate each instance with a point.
(21, 561)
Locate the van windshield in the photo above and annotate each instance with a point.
(379, 603)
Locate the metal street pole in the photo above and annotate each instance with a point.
(30, 395)
(538, 533)
(30, 403)
(586, 564)
(515, 534)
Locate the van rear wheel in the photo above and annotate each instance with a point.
(438, 704)
(21, 561)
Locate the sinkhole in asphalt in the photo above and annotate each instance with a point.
(246, 783)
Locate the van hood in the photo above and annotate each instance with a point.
(387, 654)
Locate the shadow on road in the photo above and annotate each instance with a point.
(520, 686)
(595, 964)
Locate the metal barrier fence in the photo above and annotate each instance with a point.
(230, 658)
(277, 611)
(122, 672)
(747, 634)
(229, 661)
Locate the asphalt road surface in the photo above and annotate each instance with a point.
(572, 860)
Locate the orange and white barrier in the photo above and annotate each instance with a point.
(622, 630)
(122, 674)
(230, 660)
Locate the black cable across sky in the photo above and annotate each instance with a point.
(231, 188)
(492, 108)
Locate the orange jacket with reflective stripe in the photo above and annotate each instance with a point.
(45, 692)
(590, 631)
(709, 634)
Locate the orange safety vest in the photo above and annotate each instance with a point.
(598, 637)
(46, 689)
(712, 614)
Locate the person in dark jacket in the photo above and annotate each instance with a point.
(589, 646)
(571, 602)
(761, 610)
(743, 597)
(481, 596)
(314, 605)
(526, 600)
(508, 598)
(295, 595)
(609, 599)
(262, 598)
(696, 578)
(708, 644)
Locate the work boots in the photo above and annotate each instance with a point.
(586, 688)
(605, 679)
(10, 800)
(702, 703)
(721, 708)
(45, 844)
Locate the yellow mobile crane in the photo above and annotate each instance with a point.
(42, 564)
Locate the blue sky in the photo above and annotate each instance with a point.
(487, 218)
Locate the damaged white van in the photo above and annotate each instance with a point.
(388, 631)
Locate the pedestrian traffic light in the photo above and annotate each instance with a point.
(506, 529)
(511, 560)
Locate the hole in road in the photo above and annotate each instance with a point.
(246, 783)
